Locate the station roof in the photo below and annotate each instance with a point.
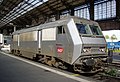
(23, 11)
(7, 5)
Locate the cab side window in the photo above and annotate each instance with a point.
(61, 30)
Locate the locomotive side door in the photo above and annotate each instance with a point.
(39, 41)
(63, 43)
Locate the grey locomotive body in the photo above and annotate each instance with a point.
(70, 41)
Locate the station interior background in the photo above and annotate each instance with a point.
(19, 14)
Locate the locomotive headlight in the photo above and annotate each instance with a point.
(102, 49)
(85, 50)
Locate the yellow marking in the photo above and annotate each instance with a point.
(75, 75)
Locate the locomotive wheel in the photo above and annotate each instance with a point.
(56, 64)
(12, 51)
(49, 62)
(45, 61)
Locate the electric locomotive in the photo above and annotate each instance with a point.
(71, 41)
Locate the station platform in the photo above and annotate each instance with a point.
(16, 69)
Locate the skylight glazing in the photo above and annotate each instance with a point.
(21, 9)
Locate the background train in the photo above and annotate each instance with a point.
(1, 41)
(5, 42)
(69, 42)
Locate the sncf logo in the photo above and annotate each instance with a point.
(60, 50)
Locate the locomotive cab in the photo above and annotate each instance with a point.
(93, 48)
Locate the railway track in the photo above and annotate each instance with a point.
(105, 78)
(115, 64)
(111, 73)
